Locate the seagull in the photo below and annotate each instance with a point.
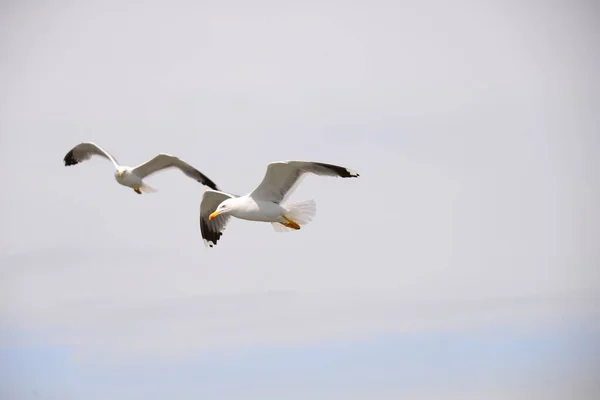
(133, 177)
(264, 202)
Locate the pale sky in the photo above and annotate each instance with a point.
(473, 125)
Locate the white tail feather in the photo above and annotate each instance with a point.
(148, 189)
(280, 228)
(301, 213)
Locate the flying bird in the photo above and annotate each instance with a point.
(264, 202)
(133, 177)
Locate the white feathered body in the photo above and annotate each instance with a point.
(255, 210)
(128, 178)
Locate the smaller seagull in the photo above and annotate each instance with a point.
(264, 202)
(133, 177)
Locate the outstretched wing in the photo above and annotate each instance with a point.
(282, 177)
(164, 161)
(83, 151)
(212, 230)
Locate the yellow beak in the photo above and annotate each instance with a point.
(120, 173)
(213, 215)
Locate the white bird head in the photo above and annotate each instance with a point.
(225, 207)
(120, 172)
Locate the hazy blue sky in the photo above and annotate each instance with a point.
(462, 264)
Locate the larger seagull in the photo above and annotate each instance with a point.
(264, 202)
(133, 176)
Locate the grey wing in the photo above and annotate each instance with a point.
(212, 230)
(282, 177)
(83, 151)
(164, 161)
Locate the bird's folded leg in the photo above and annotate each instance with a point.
(290, 224)
(137, 190)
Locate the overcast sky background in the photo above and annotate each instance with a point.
(462, 263)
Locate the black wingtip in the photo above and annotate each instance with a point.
(198, 176)
(70, 159)
(211, 185)
(206, 181)
(341, 171)
(211, 237)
